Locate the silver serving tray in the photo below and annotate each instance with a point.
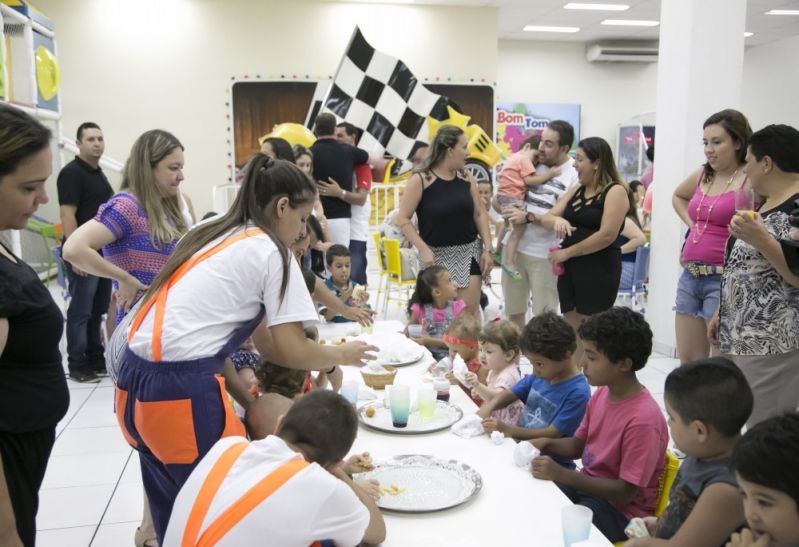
(430, 484)
(444, 416)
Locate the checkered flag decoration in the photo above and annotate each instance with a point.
(379, 95)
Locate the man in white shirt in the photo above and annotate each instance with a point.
(317, 502)
(532, 256)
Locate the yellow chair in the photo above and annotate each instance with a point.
(381, 263)
(664, 487)
(395, 282)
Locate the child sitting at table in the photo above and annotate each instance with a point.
(433, 305)
(765, 462)
(708, 402)
(554, 397)
(622, 438)
(461, 339)
(339, 264)
(499, 355)
(315, 501)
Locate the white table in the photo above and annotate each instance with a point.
(512, 507)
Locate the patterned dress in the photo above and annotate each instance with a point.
(759, 310)
(132, 251)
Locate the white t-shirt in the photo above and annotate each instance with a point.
(537, 240)
(359, 220)
(311, 506)
(221, 294)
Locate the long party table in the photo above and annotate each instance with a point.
(513, 508)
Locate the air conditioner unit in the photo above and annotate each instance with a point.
(622, 53)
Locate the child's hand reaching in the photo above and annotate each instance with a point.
(546, 469)
(492, 424)
(358, 463)
(471, 379)
(554, 172)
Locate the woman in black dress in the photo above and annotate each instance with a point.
(590, 218)
(451, 215)
(33, 388)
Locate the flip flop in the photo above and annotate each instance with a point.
(514, 274)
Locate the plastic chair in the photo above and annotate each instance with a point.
(664, 487)
(381, 263)
(394, 279)
(640, 277)
(50, 233)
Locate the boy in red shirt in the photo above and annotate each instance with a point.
(623, 436)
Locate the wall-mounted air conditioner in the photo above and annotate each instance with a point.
(622, 53)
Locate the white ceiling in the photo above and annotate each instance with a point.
(515, 14)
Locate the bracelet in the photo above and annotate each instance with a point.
(343, 194)
(332, 370)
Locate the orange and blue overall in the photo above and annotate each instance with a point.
(172, 412)
(239, 509)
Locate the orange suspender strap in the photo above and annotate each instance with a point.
(207, 492)
(159, 300)
(241, 507)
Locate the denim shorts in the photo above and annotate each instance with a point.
(698, 296)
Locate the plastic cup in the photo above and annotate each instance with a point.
(426, 398)
(400, 404)
(744, 201)
(414, 331)
(576, 523)
(349, 390)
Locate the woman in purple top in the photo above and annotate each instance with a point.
(705, 201)
(137, 229)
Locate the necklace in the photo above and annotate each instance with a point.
(700, 230)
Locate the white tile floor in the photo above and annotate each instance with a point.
(92, 493)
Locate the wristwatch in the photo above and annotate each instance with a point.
(343, 194)
(528, 219)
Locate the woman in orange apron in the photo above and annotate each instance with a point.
(223, 279)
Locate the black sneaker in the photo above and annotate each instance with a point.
(99, 369)
(83, 376)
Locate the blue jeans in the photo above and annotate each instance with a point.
(358, 255)
(90, 296)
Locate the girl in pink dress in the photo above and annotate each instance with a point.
(499, 353)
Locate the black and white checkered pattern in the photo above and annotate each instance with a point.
(380, 95)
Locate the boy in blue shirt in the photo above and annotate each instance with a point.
(554, 396)
(339, 264)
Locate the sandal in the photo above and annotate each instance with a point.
(139, 539)
(513, 273)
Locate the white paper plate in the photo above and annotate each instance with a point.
(444, 416)
(430, 484)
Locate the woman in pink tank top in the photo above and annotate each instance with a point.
(705, 201)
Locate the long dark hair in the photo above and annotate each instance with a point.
(265, 181)
(597, 149)
(21, 136)
(737, 127)
(426, 281)
(281, 148)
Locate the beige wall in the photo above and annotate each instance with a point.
(133, 66)
(557, 72)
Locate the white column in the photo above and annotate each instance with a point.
(700, 67)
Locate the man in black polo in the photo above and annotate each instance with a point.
(82, 188)
(333, 167)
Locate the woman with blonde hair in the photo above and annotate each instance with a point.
(453, 224)
(138, 228)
